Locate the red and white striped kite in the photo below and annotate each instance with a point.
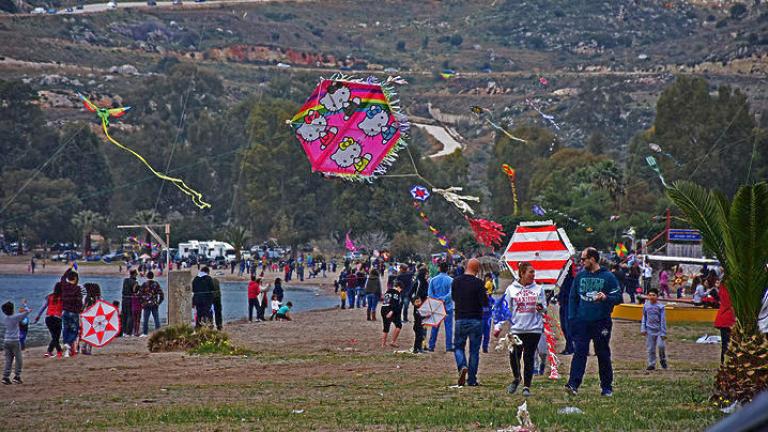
(545, 246)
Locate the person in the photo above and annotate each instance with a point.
(92, 295)
(487, 316)
(254, 289)
(678, 282)
(217, 312)
(275, 306)
(630, 287)
(52, 319)
(664, 282)
(151, 299)
(71, 307)
(129, 284)
(653, 326)
(278, 290)
(343, 297)
(469, 296)
(373, 294)
(284, 312)
(594, 293)
(11, 346)
(562, 303)
(202, 297)
(647, 276)
(418, 298)
(632, 280)
(527, 304)
(699, 292)
(351, 287)
(136, 310)
(264, 301)
(362, 278)
(440, 288)
(724, 320)
(406, 277)
(390, 313)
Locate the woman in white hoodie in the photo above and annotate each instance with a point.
(527, 304)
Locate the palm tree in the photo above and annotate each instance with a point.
(146, 217)
(87, 221)
(237, 236)
(737, 233)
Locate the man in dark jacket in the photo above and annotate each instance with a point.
(129, 287)
(217, 303)
(469, 297)
(406, 277)
(151, 298)
(71, 306)
(202, 296)
(594, 293)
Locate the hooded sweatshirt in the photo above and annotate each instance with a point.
(582, 305)
(522, 301)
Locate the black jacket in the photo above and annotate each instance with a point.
(202, 290)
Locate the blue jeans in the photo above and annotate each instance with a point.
(372, 299)
(360, 292)
(351, 297)
(487, 324)
(472, 329)
(448, 333)
(70, 325)
(406, 302)
(155, 313)
(600, 332)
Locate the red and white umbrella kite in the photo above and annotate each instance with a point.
(545, 246)
(99, 324)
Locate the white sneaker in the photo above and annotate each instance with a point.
(143, 336)
(67, 348)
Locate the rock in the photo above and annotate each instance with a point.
(127, 69)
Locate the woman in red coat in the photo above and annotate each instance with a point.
(724, 320)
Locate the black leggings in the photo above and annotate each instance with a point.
(526, 351)
(54, 327)
(725, 339)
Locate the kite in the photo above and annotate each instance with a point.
(447, 74)
(510, 172)
(351, 128)
(484, 113)
(487, 232)
(537, 210)
(433, 312)
(452, 197)
(349, 244)
(441, 238)
(547, 117)
(104, 114)
(651, 161)
(540, 211)
(420, 193)
(657, 149)
(549, 334)
(621, 250)
(99, 324)
(545, 246)
(543, 81)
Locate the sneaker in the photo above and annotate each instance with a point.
(664, 364)
(571, 390)
(512, 388)
(17, 380)
(58, 354)
(7, 381)
(46, 355)
(650, 368)
(462, 376)
(526, 392)
(606, 393)
(67, 350)
(143, 336)
(474, 384)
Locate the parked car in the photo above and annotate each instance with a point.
(38, 10)
(151, 2)
(112, 5)
(70, 255)
(69, 10)
(51, 11)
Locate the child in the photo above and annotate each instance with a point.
(390, 313)
(11, 342)
(343, 297)
(275, 306)
(699, 292)
(284, 313)
(52, 319)
(487, 318)
(116, 304)
(654, 327)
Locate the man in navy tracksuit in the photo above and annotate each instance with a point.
(593, 294)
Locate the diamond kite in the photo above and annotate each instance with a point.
(432, 312)
(99, 324)
(350, 128)
(545, 246)
(420, 193)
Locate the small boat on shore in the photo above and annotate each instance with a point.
(676, 312)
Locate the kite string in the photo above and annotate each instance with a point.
(197, 197)
(40, 168)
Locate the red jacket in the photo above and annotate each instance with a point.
(725, 317)
(253, 290)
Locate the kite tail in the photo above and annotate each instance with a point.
(197, 197)
(504, 131)
(514, 197)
